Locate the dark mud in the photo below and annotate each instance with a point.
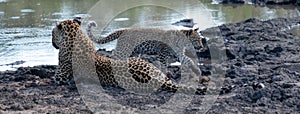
(263, 67)
(262, 76)
(31, 89)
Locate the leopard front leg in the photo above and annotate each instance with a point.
(189, 62)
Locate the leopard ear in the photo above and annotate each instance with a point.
(78, 20)
(196, 29)
(58, 25)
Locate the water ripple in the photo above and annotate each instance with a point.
(27, 10)
(3, 1)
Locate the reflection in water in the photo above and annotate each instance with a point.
(25, 25)
(143, 16)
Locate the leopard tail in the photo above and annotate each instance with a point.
(101, 40)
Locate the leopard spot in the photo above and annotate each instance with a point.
(141, 77)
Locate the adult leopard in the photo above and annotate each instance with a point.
(170, 45)
(76, 51)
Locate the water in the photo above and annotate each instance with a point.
(25, 25)
(25, 29)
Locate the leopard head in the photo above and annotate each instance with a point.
(64, 29)
(194, 38)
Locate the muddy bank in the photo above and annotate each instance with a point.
(263, 67)
(31, 89)
(262, 76)
(261, 2)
